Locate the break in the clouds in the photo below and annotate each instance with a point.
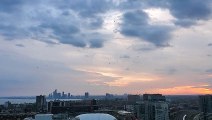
(106, 44)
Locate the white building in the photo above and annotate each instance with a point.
(41, 117)
(90, 116)
(95, 116)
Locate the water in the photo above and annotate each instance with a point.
(20, 101)
(17, 101)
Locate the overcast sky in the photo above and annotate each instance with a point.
(99, 46)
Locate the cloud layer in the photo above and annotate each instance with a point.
(79, 23)
(106, 45)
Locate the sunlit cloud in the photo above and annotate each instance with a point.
(126, 80)
(184, 90)
(160, 16)
(121, 78)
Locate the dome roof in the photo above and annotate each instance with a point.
(95, 116)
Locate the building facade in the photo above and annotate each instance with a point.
(41, 104)
(205, 105)
(133, 98)
(153, 107)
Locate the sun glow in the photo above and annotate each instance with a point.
(121, 78)
(184, 90)
(160, 16)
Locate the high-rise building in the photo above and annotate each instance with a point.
(41, 104)
(109, 96)
(59, 95)
(205, 103)
(7, 104)
(86, 95)
(153, 107)
(133, 98)
(58, 106)
(154, 97)
(55, 94)
(69, 95)
(63, 94)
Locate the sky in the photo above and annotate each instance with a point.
(105, 46)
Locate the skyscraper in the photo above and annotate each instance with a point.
(69, 95)
(55, 94)
(133, 98)
(41, 104)
(86, 95)
(205, 103)
(154, 97)
(153, 107)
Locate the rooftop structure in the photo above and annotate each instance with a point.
(154, 97)
(133, 98)
(41, 117)
(95, 116)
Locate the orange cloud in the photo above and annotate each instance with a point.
(210, 75)
(125, 80)
(121, 78)
(184, 90)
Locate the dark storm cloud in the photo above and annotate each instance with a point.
(18, 23)
(65, 34)
(135, 24)
(184, 22)
(61, 29)
(189, 11)
(194, 9)
(186, 12)
(89, 10)
(72, 41)
(68, 21)
(137, 17)
(96, 43)
(85, 8)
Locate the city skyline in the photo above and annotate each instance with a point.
(107, 46)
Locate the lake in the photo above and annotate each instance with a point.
(19, 101)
